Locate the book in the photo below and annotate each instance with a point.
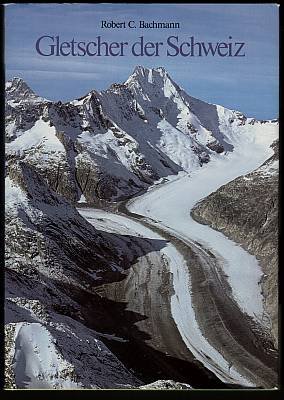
(141, 196)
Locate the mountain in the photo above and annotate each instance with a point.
(109, 145)
(54, 258)
(18, 92)
(97, 150)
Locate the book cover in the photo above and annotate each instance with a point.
(141, 196)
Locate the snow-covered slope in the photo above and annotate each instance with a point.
(53, 259)
(109, 145)
(17, 92)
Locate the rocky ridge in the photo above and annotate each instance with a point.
(109, 145)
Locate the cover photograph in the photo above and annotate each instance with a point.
(141, 196)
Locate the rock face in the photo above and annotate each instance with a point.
(246, 210)
(43, 226)
(54, 260)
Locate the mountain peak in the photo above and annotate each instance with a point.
(17, 90)
(139, 70)
(152, 84)
(150, 77)
(18, 84)
(161, 70)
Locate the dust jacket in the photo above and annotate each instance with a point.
(141, 196)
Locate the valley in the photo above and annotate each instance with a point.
(104, 245)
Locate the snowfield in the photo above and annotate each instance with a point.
(40, 135)
(37, 362)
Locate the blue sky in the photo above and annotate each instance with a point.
(248, 84)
